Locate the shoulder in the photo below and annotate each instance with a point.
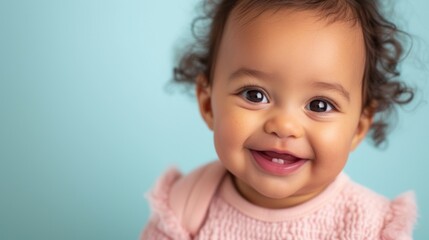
(390, 219)
(400, 220)
(163, 218)
(179, 202)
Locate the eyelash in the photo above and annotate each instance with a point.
(331, 103)
(251, 87)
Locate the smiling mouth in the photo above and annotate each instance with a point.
(277, 163)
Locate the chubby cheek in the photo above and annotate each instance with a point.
(331, 146)
(230, 133)
(226, 142)
(226, 136)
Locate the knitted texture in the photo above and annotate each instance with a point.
(349, 211)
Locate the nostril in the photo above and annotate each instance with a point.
(282, 127)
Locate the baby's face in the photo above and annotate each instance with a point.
(285, 104)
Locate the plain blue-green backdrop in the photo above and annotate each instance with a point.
(88, 122)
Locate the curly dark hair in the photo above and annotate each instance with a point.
(381, 89)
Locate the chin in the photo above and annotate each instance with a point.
(274, 193)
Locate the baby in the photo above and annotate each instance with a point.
(289, 89)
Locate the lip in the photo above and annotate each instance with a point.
(291, 163)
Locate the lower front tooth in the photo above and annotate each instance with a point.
(278, 160)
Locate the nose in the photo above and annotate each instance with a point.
(284, 125)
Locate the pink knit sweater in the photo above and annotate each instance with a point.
(345, 210)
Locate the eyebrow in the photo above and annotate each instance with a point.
(334, 87)
(251, 73)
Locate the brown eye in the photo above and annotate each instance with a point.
(319, 106)
(255, 96)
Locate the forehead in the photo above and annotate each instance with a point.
(295, 44)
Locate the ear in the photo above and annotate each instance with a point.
(203, 93)
(363, 127)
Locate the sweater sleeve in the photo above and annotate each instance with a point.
(163, 224)
(401, 218)
(151, 231)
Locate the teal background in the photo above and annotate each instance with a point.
(88, 122)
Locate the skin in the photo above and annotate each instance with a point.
(290, 59)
